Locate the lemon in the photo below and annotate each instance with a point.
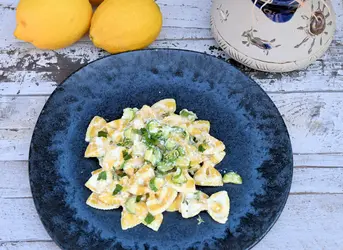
(123, 25)
(51, 24)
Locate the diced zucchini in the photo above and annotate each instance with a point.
(178, 173)
(181, 132)
(160, 174)
(182, 162)
(166, 131)
(181, 150)
(129, 114)
(171, 156)
(153, 127)
(130, 204)
(152, 185)
(165, 167)
(232, 177)
(149, 155)
(178, 177)
(188, 114)
(157, 155)
(128, 133)
(153, 155)
(170, 144)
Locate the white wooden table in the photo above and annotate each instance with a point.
(311, 102)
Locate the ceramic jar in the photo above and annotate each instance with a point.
(273, 35)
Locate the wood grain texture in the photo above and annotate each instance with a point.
(314, 121)
(307, 222)
(15, 182)
(186, 26)
(45, 69)
(29, 245)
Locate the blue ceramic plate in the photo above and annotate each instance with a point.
(241, 115)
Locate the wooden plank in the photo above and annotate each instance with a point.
(24, 69)
(21, 220)
(306, 223)
(14, 144)
(314, 120)
(16, 179)
(305, 180)
(323, 160)
(52, 67)
(29, 245)
(317, 180)
(20, 112)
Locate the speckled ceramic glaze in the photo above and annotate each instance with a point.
(273, 35)
(241, 115)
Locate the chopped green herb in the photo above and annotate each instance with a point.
(152, 185)
(125, 143)
(138, 198)
(102, 134)
(149, 218)
(117, 189)
(197, 195)
(102, 176)
(136, 131)
(200, 220)
(122, 165)
(143, 132)
(150, 140)
(201, 148)
(194, 139)
(126, 155)
(121, 174)
(114, 174)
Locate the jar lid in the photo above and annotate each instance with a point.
(252, 38)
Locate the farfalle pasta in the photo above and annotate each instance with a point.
(152, 161)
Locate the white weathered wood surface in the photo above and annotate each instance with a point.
(310, 100)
